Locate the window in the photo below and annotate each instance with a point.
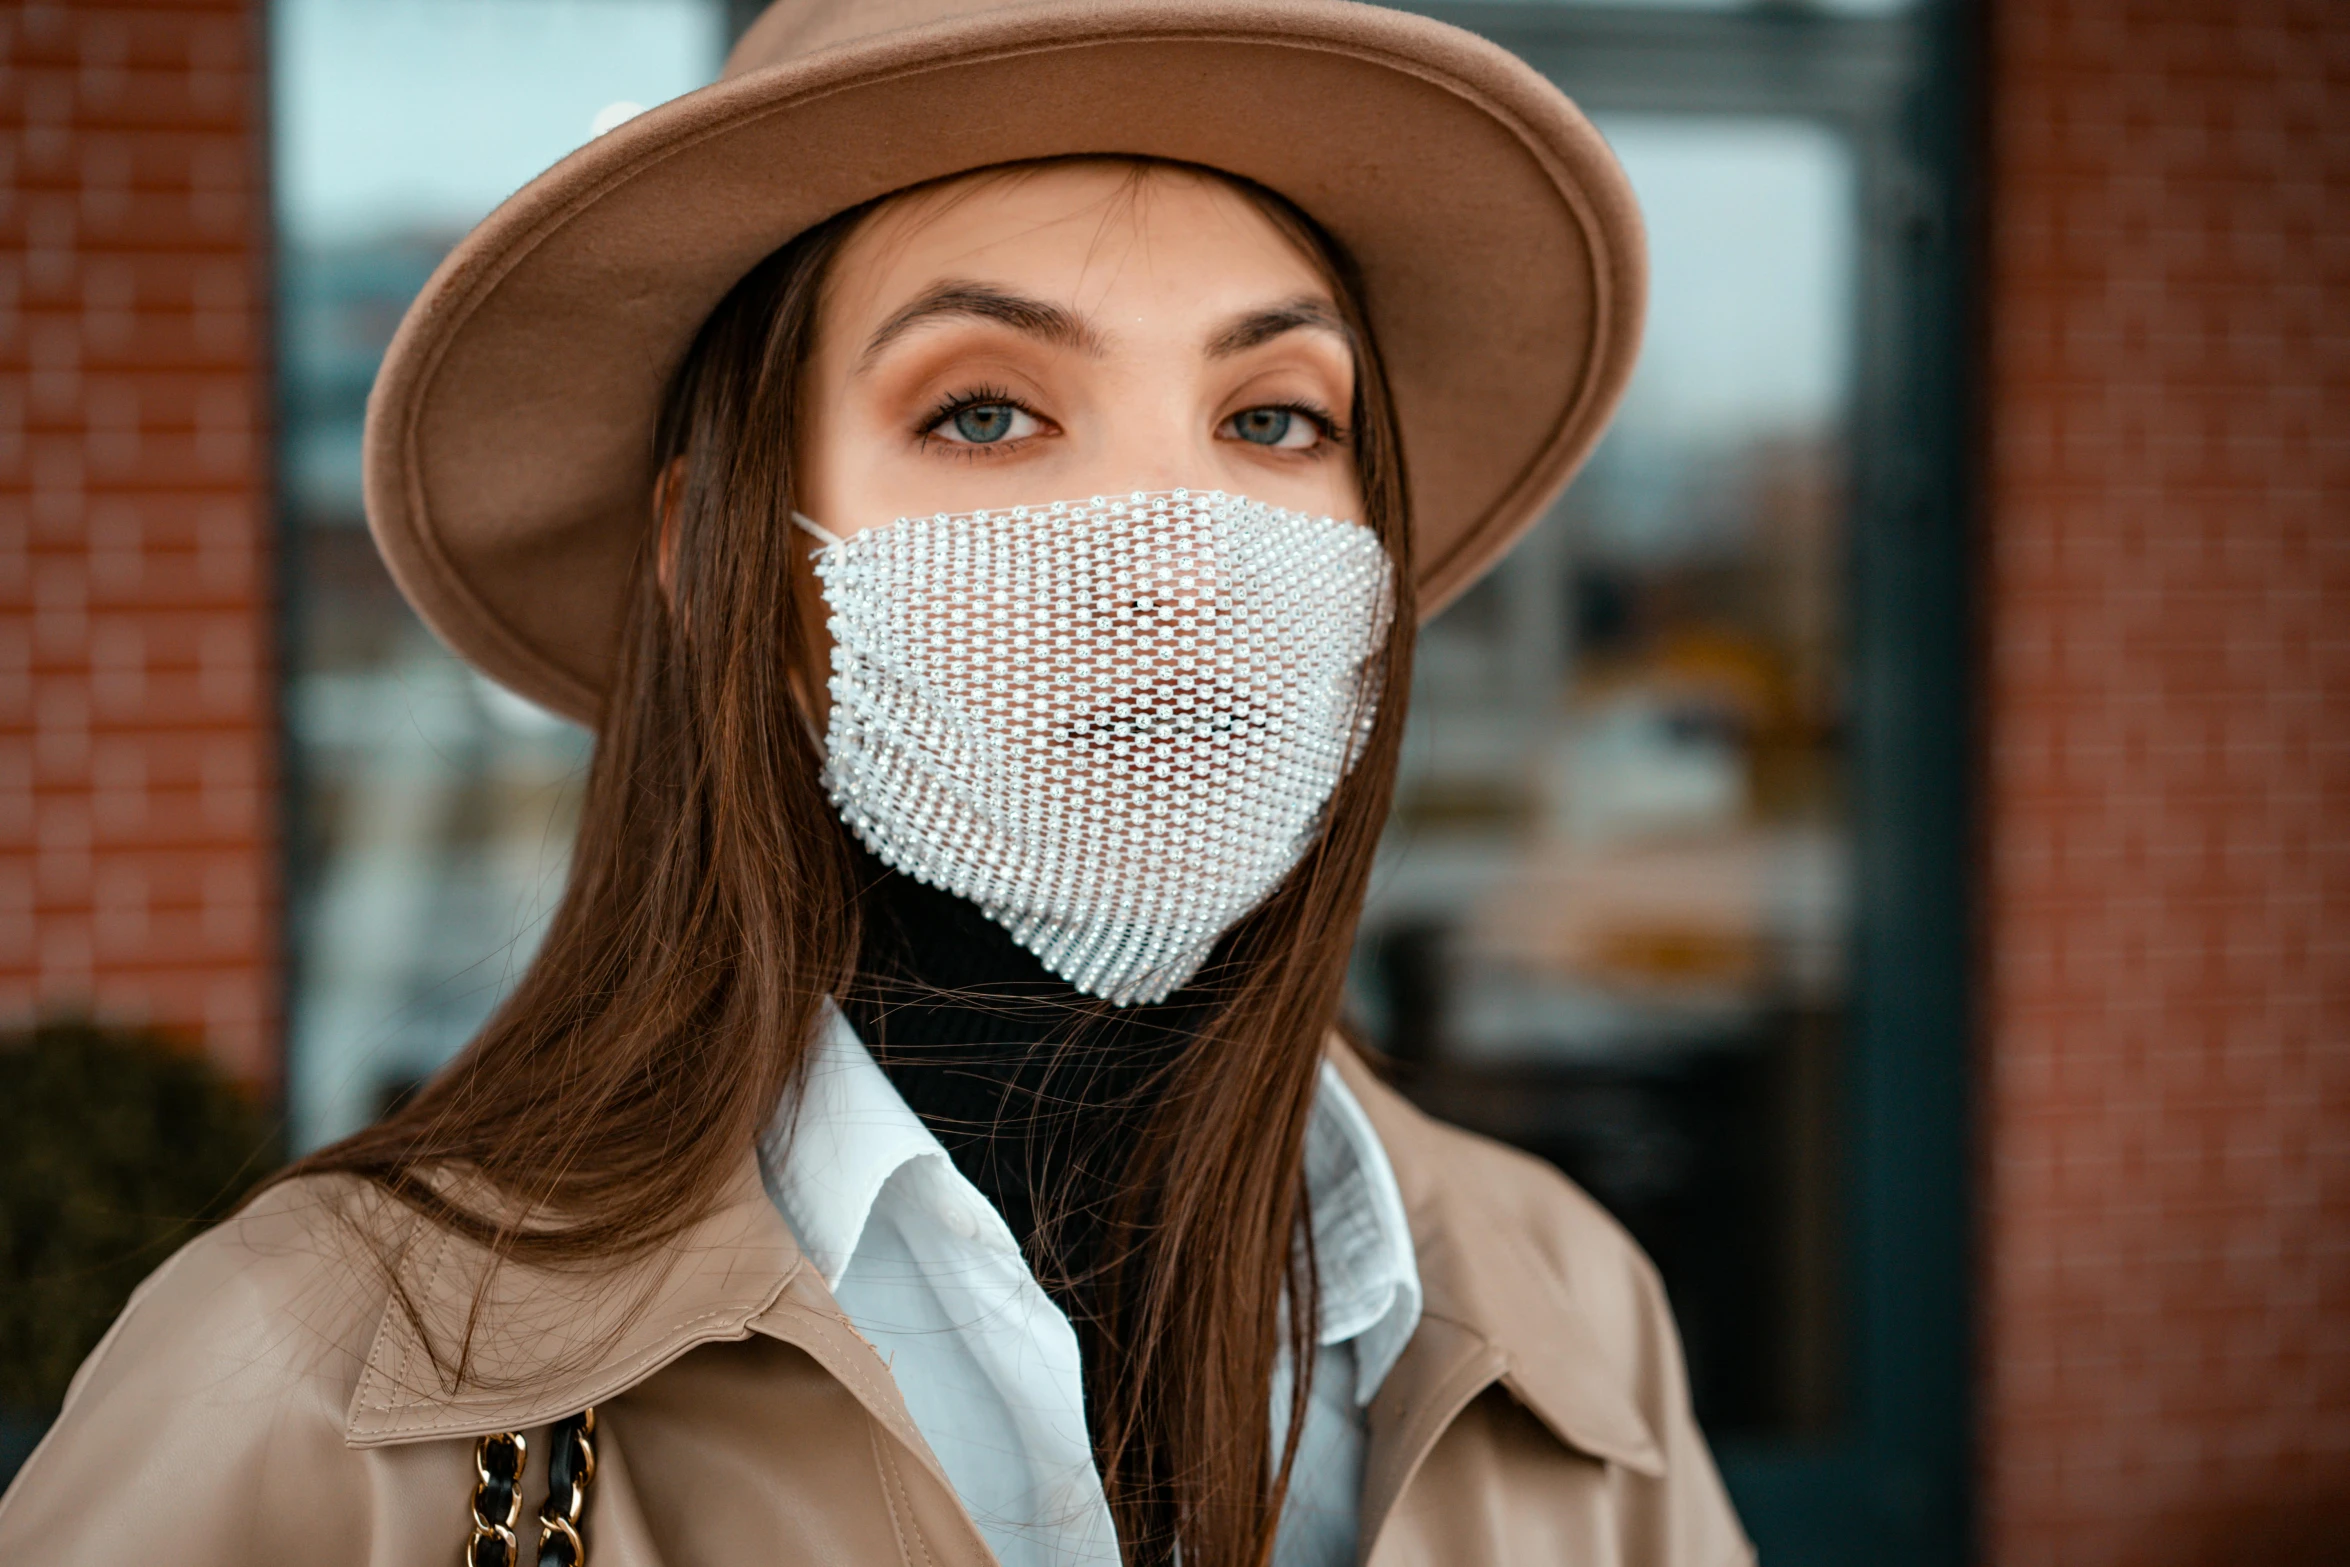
(432, 810)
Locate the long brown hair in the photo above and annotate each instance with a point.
(711, 912)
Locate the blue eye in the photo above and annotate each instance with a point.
(988, 422)
(983, 424)
(1264, 426)
(1284, 429)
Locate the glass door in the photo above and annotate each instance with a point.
(1611, 921)
(1670, 893)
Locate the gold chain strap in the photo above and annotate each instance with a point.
(497, 1499)
(497, 1496)
(571, 1465)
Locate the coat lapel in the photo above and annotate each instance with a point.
(1493, 1314)
(546, 1342)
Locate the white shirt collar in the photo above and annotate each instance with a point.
(826, 1169)
(1369, 1273)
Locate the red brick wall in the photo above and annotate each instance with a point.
(137, 861)
(2167, 1136)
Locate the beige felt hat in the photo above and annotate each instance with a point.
(510, 434)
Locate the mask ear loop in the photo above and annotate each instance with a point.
(810, 525)
(829, 541)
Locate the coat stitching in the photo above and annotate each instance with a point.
(408, 1346)
(892, 1478)
(846, 1368)
(627, 1372)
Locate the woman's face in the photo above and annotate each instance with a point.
(1069, 331)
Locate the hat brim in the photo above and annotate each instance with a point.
(509, 444)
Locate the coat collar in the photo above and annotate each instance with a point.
(1493, 1313)
(548, 1342)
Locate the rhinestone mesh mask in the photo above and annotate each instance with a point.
(1112, 724)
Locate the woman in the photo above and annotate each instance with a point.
(987, 555)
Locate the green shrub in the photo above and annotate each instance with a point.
(115, 1148)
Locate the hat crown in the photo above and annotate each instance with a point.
(791, 29)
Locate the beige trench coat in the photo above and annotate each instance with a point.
(259, 1402)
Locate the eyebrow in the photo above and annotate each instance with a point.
(1036, 318)
(1262, 326)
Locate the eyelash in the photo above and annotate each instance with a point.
(1313, 413)
(975, 397)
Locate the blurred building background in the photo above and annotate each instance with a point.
(1887, 833)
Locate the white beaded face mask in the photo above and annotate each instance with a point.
(1111, 724)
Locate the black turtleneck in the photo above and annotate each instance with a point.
(1036, 1090)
